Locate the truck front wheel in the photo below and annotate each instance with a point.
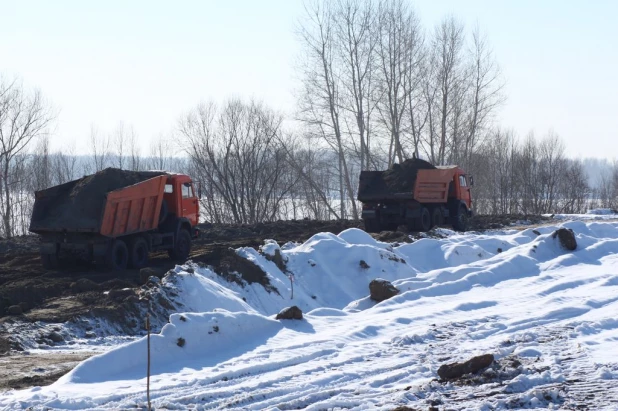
(118, 255)
(182, 246)
(461, 219)
(139, 253)
(424, 221)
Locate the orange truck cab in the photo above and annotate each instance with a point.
(117, 217)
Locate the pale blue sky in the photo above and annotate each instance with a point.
(147, 62)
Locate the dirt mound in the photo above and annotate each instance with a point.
(234, 268)
(18, 245)
(79, 204)
(401, 177)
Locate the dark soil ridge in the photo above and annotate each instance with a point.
(400, 178)
(77, 288)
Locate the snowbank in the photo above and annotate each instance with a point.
(516, 294)
(193, 340)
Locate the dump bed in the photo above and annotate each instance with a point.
(111, 202)
(398, 182)
(432, 186)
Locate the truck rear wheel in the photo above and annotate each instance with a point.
(182, 246)
(139, 253)
(436, 217)
(118, 255)
(372, 225)
(50, 261)
(424, 221)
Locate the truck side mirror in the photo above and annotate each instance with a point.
(199, 190)
(471, 181)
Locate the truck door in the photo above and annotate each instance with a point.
(464, 191)
(189, 202)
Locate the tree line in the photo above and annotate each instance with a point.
(376, 87)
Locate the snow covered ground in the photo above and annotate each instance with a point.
(546, 314)
(596, 214)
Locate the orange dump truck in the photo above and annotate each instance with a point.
(417, 194)
(117, 217)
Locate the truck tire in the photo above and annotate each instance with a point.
(436, 217)
(138, 253)
(372, 225)
(460, 223)
(182, 246)
(50, 261)
(424, 221)
(118, 255)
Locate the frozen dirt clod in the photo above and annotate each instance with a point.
(566, 236)
(79, 204)
(290, 313)
(381, 290)
(473, 365)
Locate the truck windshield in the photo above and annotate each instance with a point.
(462, 181)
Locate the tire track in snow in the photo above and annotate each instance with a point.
(300, 383)
(582, 390)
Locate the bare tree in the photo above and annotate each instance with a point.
(574, 189)
(235, 153)
(24, 116)
(447, 49)
(64, 165)
(161, 154)
(41, 166)
(134, 150)
(118, 139)
(100, 149)
(321, 99)
(483, 97)
(400, 54)
(355, 43)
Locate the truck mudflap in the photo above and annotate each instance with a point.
(48, 248)
(368, 214)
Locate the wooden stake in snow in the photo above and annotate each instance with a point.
(291, 277)
(148, 369)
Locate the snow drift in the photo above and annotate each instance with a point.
(545, 313)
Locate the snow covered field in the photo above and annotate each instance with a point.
(549, 317)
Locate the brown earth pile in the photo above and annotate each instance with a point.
(400, 178)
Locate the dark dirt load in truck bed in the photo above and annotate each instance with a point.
(398, 179)
(78, 205)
